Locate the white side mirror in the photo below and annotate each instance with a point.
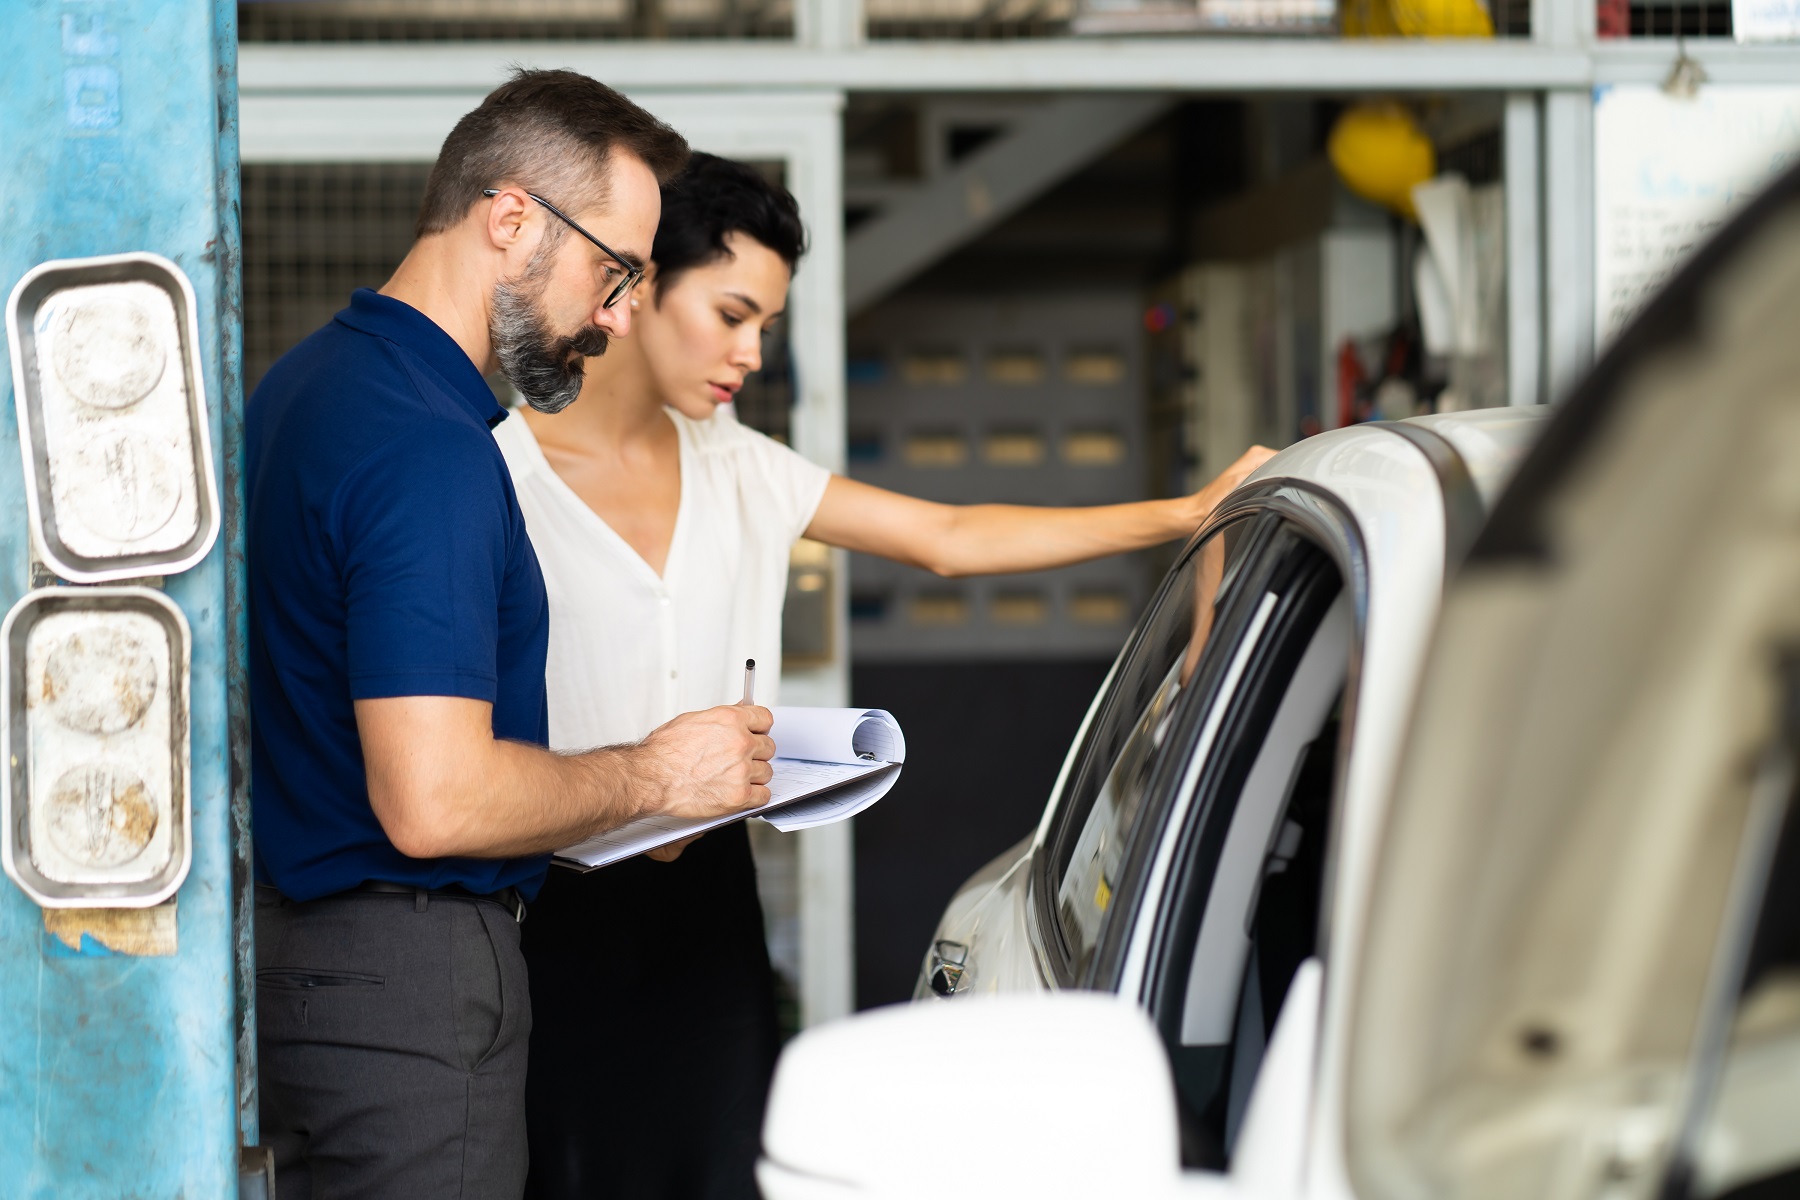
(1056, 1095)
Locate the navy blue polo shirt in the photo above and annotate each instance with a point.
(386, 556)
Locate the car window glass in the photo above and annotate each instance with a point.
(1245, 896)
(1261, 838)
(1097, 816)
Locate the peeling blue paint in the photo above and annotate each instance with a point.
(120, 1075)
(91, 97)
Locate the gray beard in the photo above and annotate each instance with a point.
(545, 368)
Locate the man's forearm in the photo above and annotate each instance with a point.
(537, 801)
(516, 799)
(443, 786)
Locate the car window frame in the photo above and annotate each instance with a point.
(1296, 509)
(1063, 828)
(1307, 590)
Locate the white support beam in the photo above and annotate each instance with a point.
(1563, 24)
(1044, 147)
(1649, 60)
(339, 127)
(1568, 240)
(1200, 65)
(805, 132)
(834, 59)
(1522, 148)
(828, 24)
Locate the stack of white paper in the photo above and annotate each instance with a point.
(831, 763)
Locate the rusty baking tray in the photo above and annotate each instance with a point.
(113, 425)
(96, 807)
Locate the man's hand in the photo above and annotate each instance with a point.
(712, 763)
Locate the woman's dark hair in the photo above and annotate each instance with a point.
(710, 200)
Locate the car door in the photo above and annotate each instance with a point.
(1184, 864)
(1580, 976)
(1238, 906)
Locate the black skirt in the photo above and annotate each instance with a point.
(653, 1027)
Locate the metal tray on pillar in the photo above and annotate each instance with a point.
(112, 416)
(96, 808)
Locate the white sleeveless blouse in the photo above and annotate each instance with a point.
(629, 649)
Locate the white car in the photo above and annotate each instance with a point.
(1560, 953)
(1252, 718)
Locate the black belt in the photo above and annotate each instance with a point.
(507, 898)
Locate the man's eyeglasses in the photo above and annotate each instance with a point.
(627, 278)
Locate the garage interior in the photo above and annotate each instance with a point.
(1078, 292)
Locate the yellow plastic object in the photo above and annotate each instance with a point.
(1381, 153)
(1415, 18)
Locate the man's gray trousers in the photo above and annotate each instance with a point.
(391, 1032)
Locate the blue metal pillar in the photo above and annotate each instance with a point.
(126, 1045)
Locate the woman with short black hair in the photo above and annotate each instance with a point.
(663, 528)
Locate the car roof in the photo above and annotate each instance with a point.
(1490, 441)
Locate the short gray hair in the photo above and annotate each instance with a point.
(551, 132)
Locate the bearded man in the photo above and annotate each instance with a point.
(403, 803)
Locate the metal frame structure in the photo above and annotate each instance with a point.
(765, 98)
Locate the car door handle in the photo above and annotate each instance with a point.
(944, 969)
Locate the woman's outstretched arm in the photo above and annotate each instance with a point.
(991, 539)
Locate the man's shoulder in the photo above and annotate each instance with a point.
(329, 381)
(346, 392)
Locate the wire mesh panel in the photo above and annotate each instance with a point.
(315, 232)
(554, 20)
(926, 19)
(1004, 19)
(471, 20)
(1664, 18)
(1318, 17)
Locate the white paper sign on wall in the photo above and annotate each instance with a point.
(1765, 20)
(1669, 171)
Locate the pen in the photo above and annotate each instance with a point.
(749, 681)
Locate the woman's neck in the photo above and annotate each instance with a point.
(618, 408)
